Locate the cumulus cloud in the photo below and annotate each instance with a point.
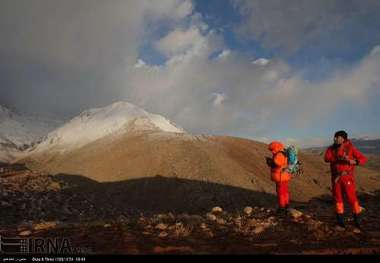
(178, 41)
(246, 98)
(224, 54)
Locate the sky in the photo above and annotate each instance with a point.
(295, 70)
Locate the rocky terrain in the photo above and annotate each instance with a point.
(42, 205)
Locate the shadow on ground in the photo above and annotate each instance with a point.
(162, 195)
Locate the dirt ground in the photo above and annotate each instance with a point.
(39, 206)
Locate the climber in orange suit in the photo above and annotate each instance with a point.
(343, 157)
(279, 175)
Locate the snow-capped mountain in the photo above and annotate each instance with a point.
(23, 130)
(17, 132)
(97, 123)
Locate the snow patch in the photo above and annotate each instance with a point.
(97, 123)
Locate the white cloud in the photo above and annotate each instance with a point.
(218, 99)
(140, 64)
(259, 98)
(261, 61)
(224, 54)
(179, 41)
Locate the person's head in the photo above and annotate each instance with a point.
(340, 137)
(275, 147)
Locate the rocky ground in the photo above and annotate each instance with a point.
(39, 205)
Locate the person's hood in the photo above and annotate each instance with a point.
(348, 141)
(275, 147)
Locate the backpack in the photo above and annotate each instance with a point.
(294, 165)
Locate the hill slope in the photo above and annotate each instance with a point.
(229, 161)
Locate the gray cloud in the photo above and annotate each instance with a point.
(61, 55)
(326, 24)
(72, 55)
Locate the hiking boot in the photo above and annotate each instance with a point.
(340, 220)
(357, 220)
(281, 211)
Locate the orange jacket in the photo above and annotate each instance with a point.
(336, 157)
(280, 161)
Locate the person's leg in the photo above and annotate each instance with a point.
(350, 190)
(281, 193)
(281, 199)
(338, 197)
(286, 194)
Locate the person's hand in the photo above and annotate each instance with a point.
(352, 162)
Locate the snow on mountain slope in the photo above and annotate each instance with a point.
(21, 130)
(96, 123)
(18, 132)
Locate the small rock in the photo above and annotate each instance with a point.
(54, 186)
(3, 203)
(211, 217)
(45, 226)
(107, 225)
(203, 226)
(209, 234)
(248, 210)
(179, 224)
(340, 229)
(161, 226)
(237, 221)
(217, 210)
(258, 230)
(295, 213)
(252, 222)
(163, 235)
(266, 224)
(25, 233)
(221, 221)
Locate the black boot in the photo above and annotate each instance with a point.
(281, 211)
(357, 220)
(340, 220)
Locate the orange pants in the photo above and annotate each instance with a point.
(345, 185)
(282, 190)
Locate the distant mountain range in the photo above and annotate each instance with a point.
(366, 146)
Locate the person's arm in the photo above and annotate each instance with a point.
(329, 156)
(279, 159)
(359, 158)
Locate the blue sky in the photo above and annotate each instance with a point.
(196, 62)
